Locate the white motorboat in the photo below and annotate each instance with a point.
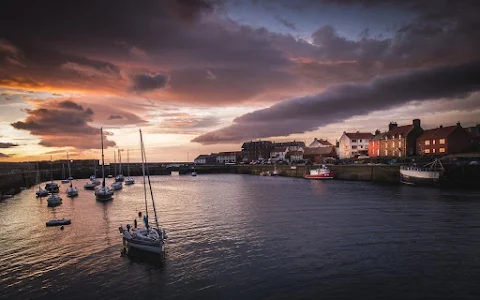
(150, 238)
(54, 200)
(320, 173)
(59, 222)
(72, 191)
(103, 193)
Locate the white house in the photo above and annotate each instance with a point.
(201, 159)
(278, 153)
(229, 157)
(294, 156)
(355, 144)
(319, 143)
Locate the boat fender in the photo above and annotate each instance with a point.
(61, 228)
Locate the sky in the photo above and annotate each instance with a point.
(200, 76)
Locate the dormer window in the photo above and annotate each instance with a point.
(399, 136)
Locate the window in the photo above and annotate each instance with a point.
(427, 151)
(442, 142)
(427, 142)
(354, 147)
(399, 144)
(399, 136)
(393, 144)
(378, 152)
(386, 153)
(433, 142)
(359, 141)
(442, 150)
(433, 150)
(354, 141)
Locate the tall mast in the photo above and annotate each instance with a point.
(128, 164)
(103, 160)
(51, 168)
(115, 163)
(69, 171)
(149, 183)
(143, 172)
(38, 174)
(120, 160)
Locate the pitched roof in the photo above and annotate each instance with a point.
(202, 156)
(359, 135)
(321, 142)
(400, 130)
(437, 133)
(279, 149)
(229, 153)
(379, 136)
(319, 150)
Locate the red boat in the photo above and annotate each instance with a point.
(320, 173)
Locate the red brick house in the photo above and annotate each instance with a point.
(401, 141)
(444, 141)
(377, 143)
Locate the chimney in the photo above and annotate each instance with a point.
(377, 132)
(416, 123)
(458, 124)
(441, 126)
(392, 125)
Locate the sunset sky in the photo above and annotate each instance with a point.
(204, 76)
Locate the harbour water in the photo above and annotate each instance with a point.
(248, 237)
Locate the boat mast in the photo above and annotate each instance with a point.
(120, 160)
(103, 160)
(143, 172)
(115, 163)
(69, 171)
(128, 164)
(149, 183)
(38, 174)
(51, 168)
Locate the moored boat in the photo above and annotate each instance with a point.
(430, 174)
(59, 222)
(40, 192)
(117, 185)
(54, 200)
(72, 191)
(320, 173)
(150, 238)
(129, 180)
(103, 193)
(89, 186)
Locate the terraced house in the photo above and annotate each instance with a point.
(400, 141)
(444, 140)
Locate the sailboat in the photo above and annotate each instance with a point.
(148, 238)
(71, 190)
(63, 175)
(54, 198)
(129, 179)
(41, 192)
(51, 186)
(117, 185)
(70, 178)
(120, 177)
(103, 193)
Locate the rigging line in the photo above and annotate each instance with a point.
(150, 186)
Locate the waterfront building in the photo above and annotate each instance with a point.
(319, 143)
(229, 157)
(319, 154)
(278, 154)
(400, 141)
(444, 141)
(292, 146)
(352, 145)
(256, 150)
(376, 146)
(294, 156)
(201, 159)
(474, 133)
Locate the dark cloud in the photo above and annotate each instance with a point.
(146, 82)
(188, 10)
(114, 117)
(285, 22)
(343, 101)
(7, 145)
(3, 155)
(62, 124)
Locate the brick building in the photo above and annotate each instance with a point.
(444, 141)
(401, 141)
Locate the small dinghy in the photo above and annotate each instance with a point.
(59, 222)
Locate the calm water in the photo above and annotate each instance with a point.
(249, 237)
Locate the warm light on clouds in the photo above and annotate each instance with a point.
(220, 72)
